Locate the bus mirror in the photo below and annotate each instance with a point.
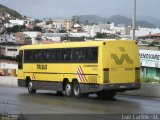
(17, 58)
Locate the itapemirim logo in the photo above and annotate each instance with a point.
(123, 57)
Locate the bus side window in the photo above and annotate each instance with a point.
(39, 56)
(66, 55)
(47, 55)
(75, 55)
(28, 56)
(78, 55)
(44, 56)
(91, 54)
(95, 54)
(81, 56)
(20, 61)
(53, 55)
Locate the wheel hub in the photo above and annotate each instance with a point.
(30, 86)
(76, 90)
(68, 89)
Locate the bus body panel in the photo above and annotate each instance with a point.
(117, 67)
(58, 71)
(122, 59)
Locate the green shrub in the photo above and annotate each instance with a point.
(149, 80)
(146, 79)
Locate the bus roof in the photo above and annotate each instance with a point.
(67, 44)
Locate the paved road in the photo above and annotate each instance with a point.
(15, 100)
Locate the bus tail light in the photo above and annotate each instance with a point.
(137, 74)
(106, 75)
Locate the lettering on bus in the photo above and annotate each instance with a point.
(93, 67)
(90, 65)
(122, 68)
(41, 67)
(123, 57)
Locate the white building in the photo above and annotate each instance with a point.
(54, 37)
(92, 30)
(12, 51)
(14, 22)
(145, 31)
(8, 65)
(7, 38)
(33, 35)
(150, 63)
(82, 34)
(104, 28)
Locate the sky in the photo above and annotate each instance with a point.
(67, 8)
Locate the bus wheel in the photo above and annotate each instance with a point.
(68, 89)
(106, 95)
(30, 88)
(76, 89)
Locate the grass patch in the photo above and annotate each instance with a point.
(149, 80)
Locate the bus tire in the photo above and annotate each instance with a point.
(76, 89)
(68, 89)
(30, 88)
(106, 95)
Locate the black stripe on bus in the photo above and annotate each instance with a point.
(56, 73)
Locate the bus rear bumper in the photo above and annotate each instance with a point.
(121, 87)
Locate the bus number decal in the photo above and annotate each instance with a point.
(41, 67)
(81, 75)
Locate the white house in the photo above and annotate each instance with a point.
(14, 22)
(54, 37)
(33, 35)
(145, 31)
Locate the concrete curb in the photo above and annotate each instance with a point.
(8, 81)
(147, 90)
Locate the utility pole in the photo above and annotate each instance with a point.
(134, 19)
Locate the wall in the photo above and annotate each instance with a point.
(150, 63)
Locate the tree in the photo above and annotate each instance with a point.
(100, 35)
(13, 29)
(62, 30)
(76, 19)
(37, 28)
(22, 26)
(37, 21)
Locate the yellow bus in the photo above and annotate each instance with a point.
(80, 68)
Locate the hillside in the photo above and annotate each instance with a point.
(13, 13)
(92, 18)
(117, 19)
(153, 20)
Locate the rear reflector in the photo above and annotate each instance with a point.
(137, 74)
(105, 69)
(137, 80)
(106, 75)
(137, 68)
(136, 43)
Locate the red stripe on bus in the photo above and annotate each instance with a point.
(83, 73)
(80, 77)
